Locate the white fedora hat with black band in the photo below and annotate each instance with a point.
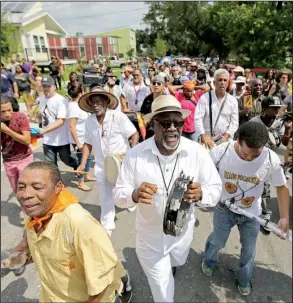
(163, 104)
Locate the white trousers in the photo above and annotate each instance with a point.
(105, 193)
(158, 266)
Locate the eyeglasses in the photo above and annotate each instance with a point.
(167, 123)
(158, 83)
(136, 75)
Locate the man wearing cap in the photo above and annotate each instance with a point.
(279, 132)
(54, 113)
(134, 93)
(106, 132)
(216, 116)
(147, 175)
(193, 74)
(239, 89)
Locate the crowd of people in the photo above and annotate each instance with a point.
(221, 127)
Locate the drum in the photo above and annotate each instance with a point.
(112, 165)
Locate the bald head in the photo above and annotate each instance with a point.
(255, 86)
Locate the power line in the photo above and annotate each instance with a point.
(112, 13)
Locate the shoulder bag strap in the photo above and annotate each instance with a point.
(210, 112)
(220, 111)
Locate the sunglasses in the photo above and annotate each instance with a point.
(165, 124)
(136, 75)
(158, 83)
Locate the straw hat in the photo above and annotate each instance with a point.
(84, 104)
(166, 103)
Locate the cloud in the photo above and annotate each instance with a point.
(93, 17)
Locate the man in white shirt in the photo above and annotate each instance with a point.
(134, 93)
(126, 76)
(222, 123)
(54, 113)
(107, 132)
(148, 172)
(244, 165)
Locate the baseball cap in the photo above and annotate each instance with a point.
(49, 81)
(271, 101)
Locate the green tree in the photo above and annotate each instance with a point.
(256, 33)
(130, 53)
(161, 47)
(7, 44)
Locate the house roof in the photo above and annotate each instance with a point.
(51, 23)
(24, 13)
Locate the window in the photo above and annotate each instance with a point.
(37, 45)
(100, 49)
(43, 45)
(40, 45)
(81, 48)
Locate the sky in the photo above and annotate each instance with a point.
(93, 17)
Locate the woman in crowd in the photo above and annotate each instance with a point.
(24, 82)
(188, 98)
(77, 118)
(268, 82)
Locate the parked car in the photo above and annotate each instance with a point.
(117, 62)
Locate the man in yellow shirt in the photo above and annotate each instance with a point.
(72, 252)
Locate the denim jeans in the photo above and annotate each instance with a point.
(64, 152)
(79, 158)
(224, 220)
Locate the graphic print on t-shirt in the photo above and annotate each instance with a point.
(233, 188)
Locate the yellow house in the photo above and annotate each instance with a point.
(33, 28)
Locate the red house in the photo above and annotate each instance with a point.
(84, 48)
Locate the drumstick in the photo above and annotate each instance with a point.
(73, 171)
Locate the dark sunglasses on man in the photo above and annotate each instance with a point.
(157, 83)
(166, 124)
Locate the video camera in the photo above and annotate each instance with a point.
(287, 116)
(92, 76)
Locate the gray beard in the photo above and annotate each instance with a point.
(171, 147)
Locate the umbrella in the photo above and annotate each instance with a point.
(167, 58)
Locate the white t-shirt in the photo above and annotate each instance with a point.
(74, 111)
(109, 138)
(244, 180)
(135, 95)
(55, 108)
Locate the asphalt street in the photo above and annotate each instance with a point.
(272, 281)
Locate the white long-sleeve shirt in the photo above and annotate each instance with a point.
(141, 165)
(228, 121)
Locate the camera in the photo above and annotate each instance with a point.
(92, 76)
